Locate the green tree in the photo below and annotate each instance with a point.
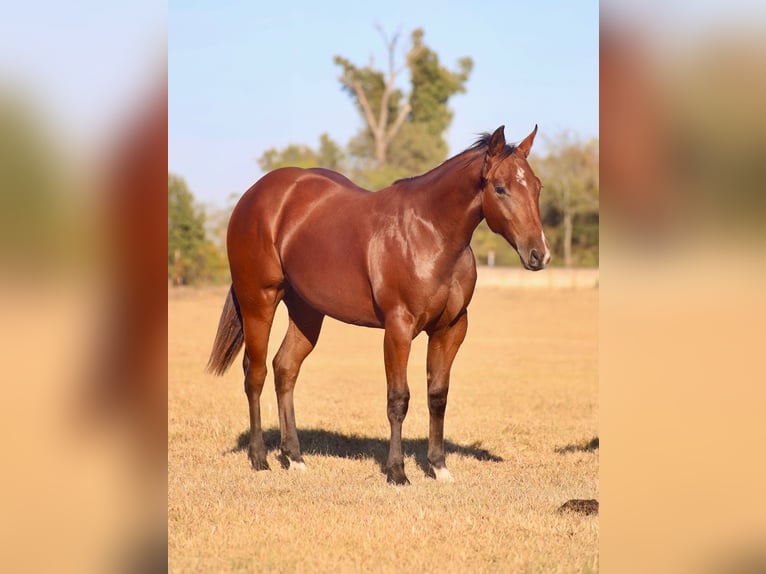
(329, 155)
(294, 155)
(403, 135)
(216, 227)
(420, 145)
(192, 258)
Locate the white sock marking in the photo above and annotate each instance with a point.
(443, 475)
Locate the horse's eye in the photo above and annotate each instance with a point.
(500, 190)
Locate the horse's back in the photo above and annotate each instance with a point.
(338, 178)
(286, 191)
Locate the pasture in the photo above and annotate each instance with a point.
(520, 423)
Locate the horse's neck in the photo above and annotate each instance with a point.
(452, 198)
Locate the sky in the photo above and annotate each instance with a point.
(247, 76)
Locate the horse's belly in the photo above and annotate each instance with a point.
(335, 288)
(339, 301)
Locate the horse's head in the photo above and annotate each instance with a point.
(510, 199)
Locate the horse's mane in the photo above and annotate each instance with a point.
(481, 144)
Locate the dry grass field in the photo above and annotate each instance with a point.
(520, 424)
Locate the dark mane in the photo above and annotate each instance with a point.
(480, 144)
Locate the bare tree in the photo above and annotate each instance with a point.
(377, 97)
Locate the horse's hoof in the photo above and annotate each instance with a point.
(297, 466)
(398, 480)
(260, 465)
(443, 475)
(258, 462)
(397, 476)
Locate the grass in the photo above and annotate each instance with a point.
(521, 427)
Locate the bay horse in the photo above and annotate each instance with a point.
(398, 259)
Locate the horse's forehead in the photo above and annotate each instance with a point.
(514, 167)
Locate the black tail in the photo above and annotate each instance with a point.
(228, 339)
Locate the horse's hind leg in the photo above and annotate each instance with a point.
(302, 334)
(257, 317)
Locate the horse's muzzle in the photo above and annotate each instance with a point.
(536, 260)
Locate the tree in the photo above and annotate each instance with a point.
(376, 97)
(329, 155)
(216, 228)
(403, 137)
(192, 258)
(570, 196)
(403, 134)
(421, 144)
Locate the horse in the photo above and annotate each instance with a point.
(398, 259)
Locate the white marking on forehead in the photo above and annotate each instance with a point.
(520, 176)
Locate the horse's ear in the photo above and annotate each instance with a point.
(526, 145)
(496, 141)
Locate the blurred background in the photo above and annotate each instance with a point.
(83, 153)
(682, 285)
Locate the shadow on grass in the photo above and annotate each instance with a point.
(589, 446)
(328, 443)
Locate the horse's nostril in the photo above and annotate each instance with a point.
(534, 258)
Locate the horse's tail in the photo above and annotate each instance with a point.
(228, 339)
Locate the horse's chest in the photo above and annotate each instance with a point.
(453, 303)
(415, 270)
(435, 300)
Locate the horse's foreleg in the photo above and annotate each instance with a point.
(442, 348)
(302, 334)
(396, 352)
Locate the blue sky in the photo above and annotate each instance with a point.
(246, 76)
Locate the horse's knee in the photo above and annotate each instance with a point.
(437, 399)
(398, 403)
